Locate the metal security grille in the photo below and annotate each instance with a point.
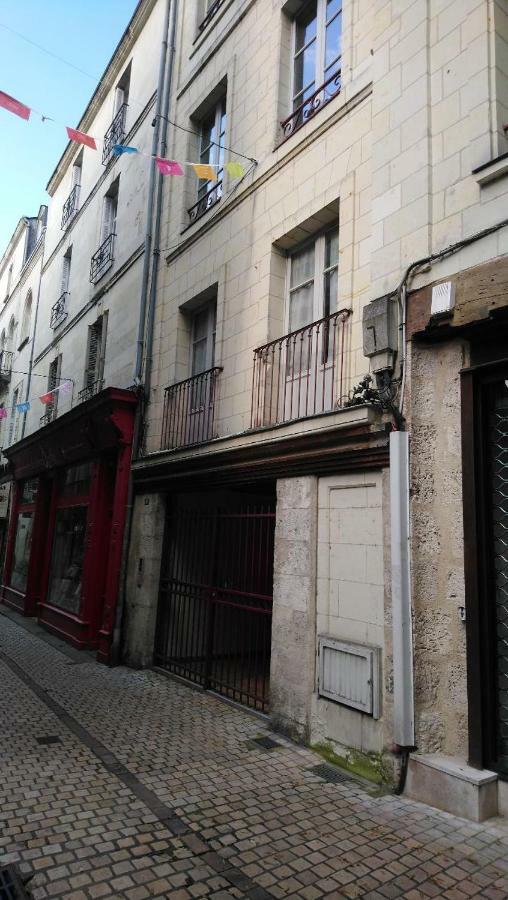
(215, 602)
(11, 884)
(499, 488)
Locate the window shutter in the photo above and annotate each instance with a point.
(94, 352)
(107, 218)
(76, 175)
(119, 100)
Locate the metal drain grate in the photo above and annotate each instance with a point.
(329, 773)
(48, 739)
(11, 884)
(267, 743)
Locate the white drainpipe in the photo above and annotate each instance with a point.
(403, 695)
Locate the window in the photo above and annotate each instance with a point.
(96, 351)
(109, 211)
(22, 547)
(9, 281)
(203, 339)
(122, 91)
(317, 49)
(76, 171)
(64, 589)
(212, 134)
(10, 334)
(26, 320)
(15, 417)
(53, 382)
(313, 281)
(66, 272)
(102, 260)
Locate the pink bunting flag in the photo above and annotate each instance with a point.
(3, 412)
(46, 398)
(14, 106)
(168, 166)
(79, 137)
(66, 387)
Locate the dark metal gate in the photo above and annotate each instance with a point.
(215, 601)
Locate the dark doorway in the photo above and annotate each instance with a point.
(216, 593)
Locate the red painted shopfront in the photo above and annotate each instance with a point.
(64, 548)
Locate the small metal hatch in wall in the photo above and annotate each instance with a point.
(349, 674)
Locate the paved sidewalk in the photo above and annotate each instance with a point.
(142, 787)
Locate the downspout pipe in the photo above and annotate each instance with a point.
(145, 277)
(34, 332)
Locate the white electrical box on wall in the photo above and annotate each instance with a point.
(443, 298)
(349, 674)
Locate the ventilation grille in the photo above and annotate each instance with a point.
(349, 674)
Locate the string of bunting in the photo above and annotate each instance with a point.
(204, 171)
(64, 388)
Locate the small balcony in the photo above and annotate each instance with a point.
(114, 135)
(70, 206)
(311, 105)
(102, 260)
(5, 366)
(301, 374)
(205, 202)
(91, 390)
(59, 311)
(49, 416)
(189, 410)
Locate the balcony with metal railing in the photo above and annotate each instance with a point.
(91, 390)
(189, 410)
(114, 135)
(102, 260)
(6, 357)
(302, 373)
(70, 206)
(49, 416)
(205, 202)
(59, 311)
(312, 105)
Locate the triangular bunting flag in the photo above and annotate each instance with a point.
(14, 106)
(3, 412)
(65, 387)
(79, 137)
(118, 149)
(207, 173)
(46, 398)
(23, 407)
(168, 166)
(234, 169)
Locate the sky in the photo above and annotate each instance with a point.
(83, 32)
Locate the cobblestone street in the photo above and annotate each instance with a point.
(116, 783)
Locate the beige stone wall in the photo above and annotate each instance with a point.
(437, 549)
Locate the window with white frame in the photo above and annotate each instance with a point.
(27, 318)
(317, 51)
(211, 153)
(203, 338)
(109, 212)
(313, 281)
(66, 272)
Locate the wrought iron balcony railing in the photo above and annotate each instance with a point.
(70, 206)
(48, 416)
(312, 105)
(301, 374)
(114, 135)
(102, 260)
(213, 9)
(189, 410)
(5, 366)
(206, 202)
(90, 390)
(59, 311)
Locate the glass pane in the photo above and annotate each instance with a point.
(331, 292)
(199, 357)
(332, 249)
(29, 492)
(77, 480)
(302, 266)
(67, 558)
(22, 545)
(305, 68)
(301, 307)
(333, 41)
(332, 8)
(306, 25)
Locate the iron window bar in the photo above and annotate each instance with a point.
(48, 416)
(189, 410)
(312, 105)
(214, 8)
(115, 134)
(205, 202)
(5, 365)
(59, 311)
(102, 259)
(91, 390)
(70, 206)
(301, 374)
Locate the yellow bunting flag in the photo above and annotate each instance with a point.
(206, 172)
(235, 169)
